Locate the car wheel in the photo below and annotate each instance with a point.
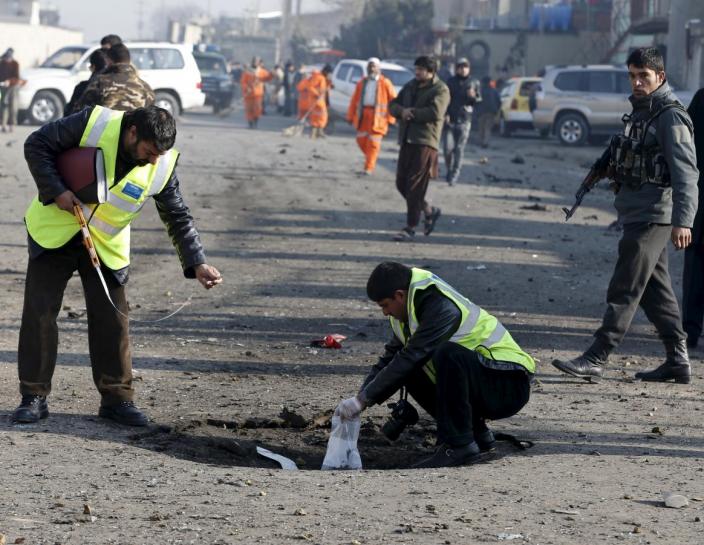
(572, 130)
(504, 127)
(168, 102)
(46, 106)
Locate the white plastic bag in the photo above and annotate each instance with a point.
(342, 450)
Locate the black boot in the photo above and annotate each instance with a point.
(31, 410)
(485, 440)
(588, 366)
(124, 413)
(675, 367)
(447, 456)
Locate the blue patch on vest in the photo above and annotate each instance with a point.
(132, 190)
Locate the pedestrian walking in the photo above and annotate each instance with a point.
(252, 83)
(289, 89)
(487, 110)
(368, 112)
(140, 163)
(118, 87)
(653, 168)
(420, 108)
(464, 94)
(98, 61)
(10, 84)
(693, 277)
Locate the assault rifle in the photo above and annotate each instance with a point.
(596, 173)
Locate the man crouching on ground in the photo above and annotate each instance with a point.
(454, 358)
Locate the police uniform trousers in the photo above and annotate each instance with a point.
(467, 393)
(693, 292)
(641, 277)
(108, 331)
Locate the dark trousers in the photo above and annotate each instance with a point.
(693, 292)
(108, 334)
(467, 393)
(454, 139)
(641, 277)
(416, 165)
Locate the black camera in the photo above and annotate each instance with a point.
(402, 414)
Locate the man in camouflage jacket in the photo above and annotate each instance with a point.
(119, 87)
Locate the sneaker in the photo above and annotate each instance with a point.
(404, 235)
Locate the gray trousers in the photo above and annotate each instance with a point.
(641, 277)
(454, 151)
(8, 105)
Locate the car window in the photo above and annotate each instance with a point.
(65, 58)
(142, 58)
(601, 81)
(570, 81)
(211, 65)
(355, 74)
(398, 78)
(149, 58)
(528, 88)
(508, 90)
(623, 83)
(167, 59)
(343, 71)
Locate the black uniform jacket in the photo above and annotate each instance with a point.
(43, 147)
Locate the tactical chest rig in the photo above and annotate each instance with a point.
(634, 162)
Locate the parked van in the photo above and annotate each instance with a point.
(169, 69)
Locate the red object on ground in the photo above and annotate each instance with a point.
(329, 341)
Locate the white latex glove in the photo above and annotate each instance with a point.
(349, 408)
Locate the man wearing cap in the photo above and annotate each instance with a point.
(369, 112)
(10, 83)
(464, 95)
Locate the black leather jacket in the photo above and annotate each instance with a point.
(43, 147)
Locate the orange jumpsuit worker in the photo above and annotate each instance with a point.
(368, 112)
(252, 83)
(313, 92)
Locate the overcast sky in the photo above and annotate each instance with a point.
(100, 17)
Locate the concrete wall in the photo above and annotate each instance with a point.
(34, 43)
(540, 49)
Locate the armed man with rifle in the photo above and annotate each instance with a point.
(653, 171)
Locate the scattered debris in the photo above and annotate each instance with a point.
(507, 537)
(518, 160)
(565, 512)
(675, 501)
(291, 419)
(476, 267)
(494, 178)
(483, 160)
(300, 512)
(329, 341)
(537, 207)
(284, 462)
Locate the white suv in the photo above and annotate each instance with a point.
(169, 69)
(349, 71)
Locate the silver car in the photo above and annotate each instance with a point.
(576, 102)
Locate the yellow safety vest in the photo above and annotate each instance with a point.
(478, 330)
(109, 225)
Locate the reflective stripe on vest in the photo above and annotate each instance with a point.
(109, 222)
(478, 330)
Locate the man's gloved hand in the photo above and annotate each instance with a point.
(349, 409)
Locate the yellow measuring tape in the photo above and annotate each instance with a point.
(95, 261)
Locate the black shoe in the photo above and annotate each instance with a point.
(485, 440)
(124, 413)
(675, 367)
(587, 366)
(31, 410)
(447, 456)
(431, 220)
